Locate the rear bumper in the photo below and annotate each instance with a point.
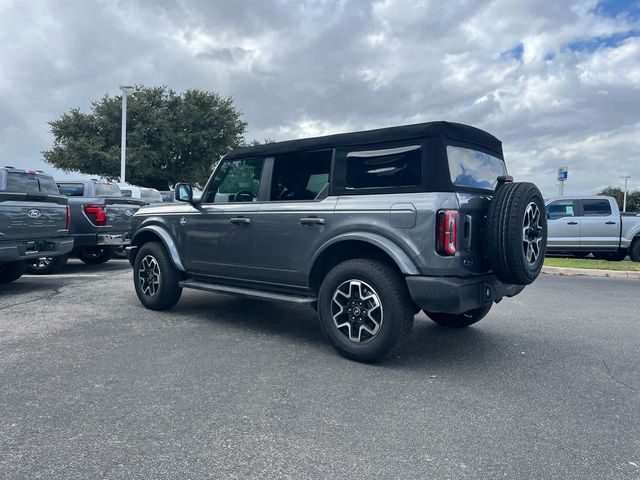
(29, 249)
(116, 239)
(458, 295)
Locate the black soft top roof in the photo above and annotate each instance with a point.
(450, 130)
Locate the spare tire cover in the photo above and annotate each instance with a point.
(517, 233)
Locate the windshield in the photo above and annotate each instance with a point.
(150, 196)
(107, 190)
(474, 169)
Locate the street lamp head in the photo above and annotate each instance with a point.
(127, 88)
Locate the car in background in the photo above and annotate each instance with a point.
(592, 224)
(100, 222)
(148, 195)
(34, 219)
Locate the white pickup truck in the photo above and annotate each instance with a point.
(592, 224)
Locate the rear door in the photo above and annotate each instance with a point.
(30, 207)
(563, 225)
(599, 225)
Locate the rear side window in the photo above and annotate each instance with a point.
(474, 169)
(126, 193)
(300, 176)
(107, 190)
(560, 209)
(23, 182)
(71, 189)
(596, 208)
(389, 167)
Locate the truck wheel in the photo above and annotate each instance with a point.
(12, 271)
(155, 278)
(634, 251)
(517, 233)
(47, 265)
(365, 309)
(95, 255)
(459, 321)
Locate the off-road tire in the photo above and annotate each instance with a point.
(168, 289)
(397, 309)
(10, 272)
(462, 320)
(505, 237)
(634, 251)
(54, 265)
(95, 255)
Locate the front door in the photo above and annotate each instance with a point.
(220, 233)
(563, 225)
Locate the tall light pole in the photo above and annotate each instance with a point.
(126, 89)
(624, 202)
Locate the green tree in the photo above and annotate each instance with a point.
(633, 197)
(170, 137)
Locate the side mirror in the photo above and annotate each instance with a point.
(183, 192)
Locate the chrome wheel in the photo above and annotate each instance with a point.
(149, 276)
(531, 233)
(357, 311)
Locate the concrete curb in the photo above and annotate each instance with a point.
(591, 272)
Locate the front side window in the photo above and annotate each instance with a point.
(151, 196)
(300, 176)
(126, 193)
(389, 167)
(560, 209)
(596, 208)
(474, 169)
(107, 190)
(71, 189)
(235, 181)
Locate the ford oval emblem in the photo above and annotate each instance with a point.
(128, 212)
(34, 213)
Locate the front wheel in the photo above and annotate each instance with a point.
(634, 251)
(95, 255)
(461, 320)
(10, 272)
(47, 265)
(365, 309)
(155, 278)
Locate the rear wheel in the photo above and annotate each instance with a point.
(10, 272)
(95, 255)
(155, 278)
(47, 265)
(461, 320)
(517, 233)
(365, 309)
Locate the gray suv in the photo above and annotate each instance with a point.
(368, 228)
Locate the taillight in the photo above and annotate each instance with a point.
(97, 214)
(447, 232)
(68, 218)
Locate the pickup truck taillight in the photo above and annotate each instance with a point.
(97, 214)
(446, 232)
(68, 224)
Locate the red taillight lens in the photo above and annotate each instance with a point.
(447, 232)
(68, 218)
(97, 214)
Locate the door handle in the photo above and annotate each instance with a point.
(609, 223)
(312, 221)
(240, 220)
(572, 223)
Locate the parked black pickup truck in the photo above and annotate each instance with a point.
(34, 220)
(100, 222)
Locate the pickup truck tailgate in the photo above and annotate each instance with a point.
(32, 216)
(120, 211)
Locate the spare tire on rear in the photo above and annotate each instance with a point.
(517, 233)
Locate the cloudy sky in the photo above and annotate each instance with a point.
(557, 81)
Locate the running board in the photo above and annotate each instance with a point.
(247, 292)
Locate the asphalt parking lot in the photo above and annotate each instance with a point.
(95, 386)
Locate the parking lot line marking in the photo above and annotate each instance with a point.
(66, 275)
